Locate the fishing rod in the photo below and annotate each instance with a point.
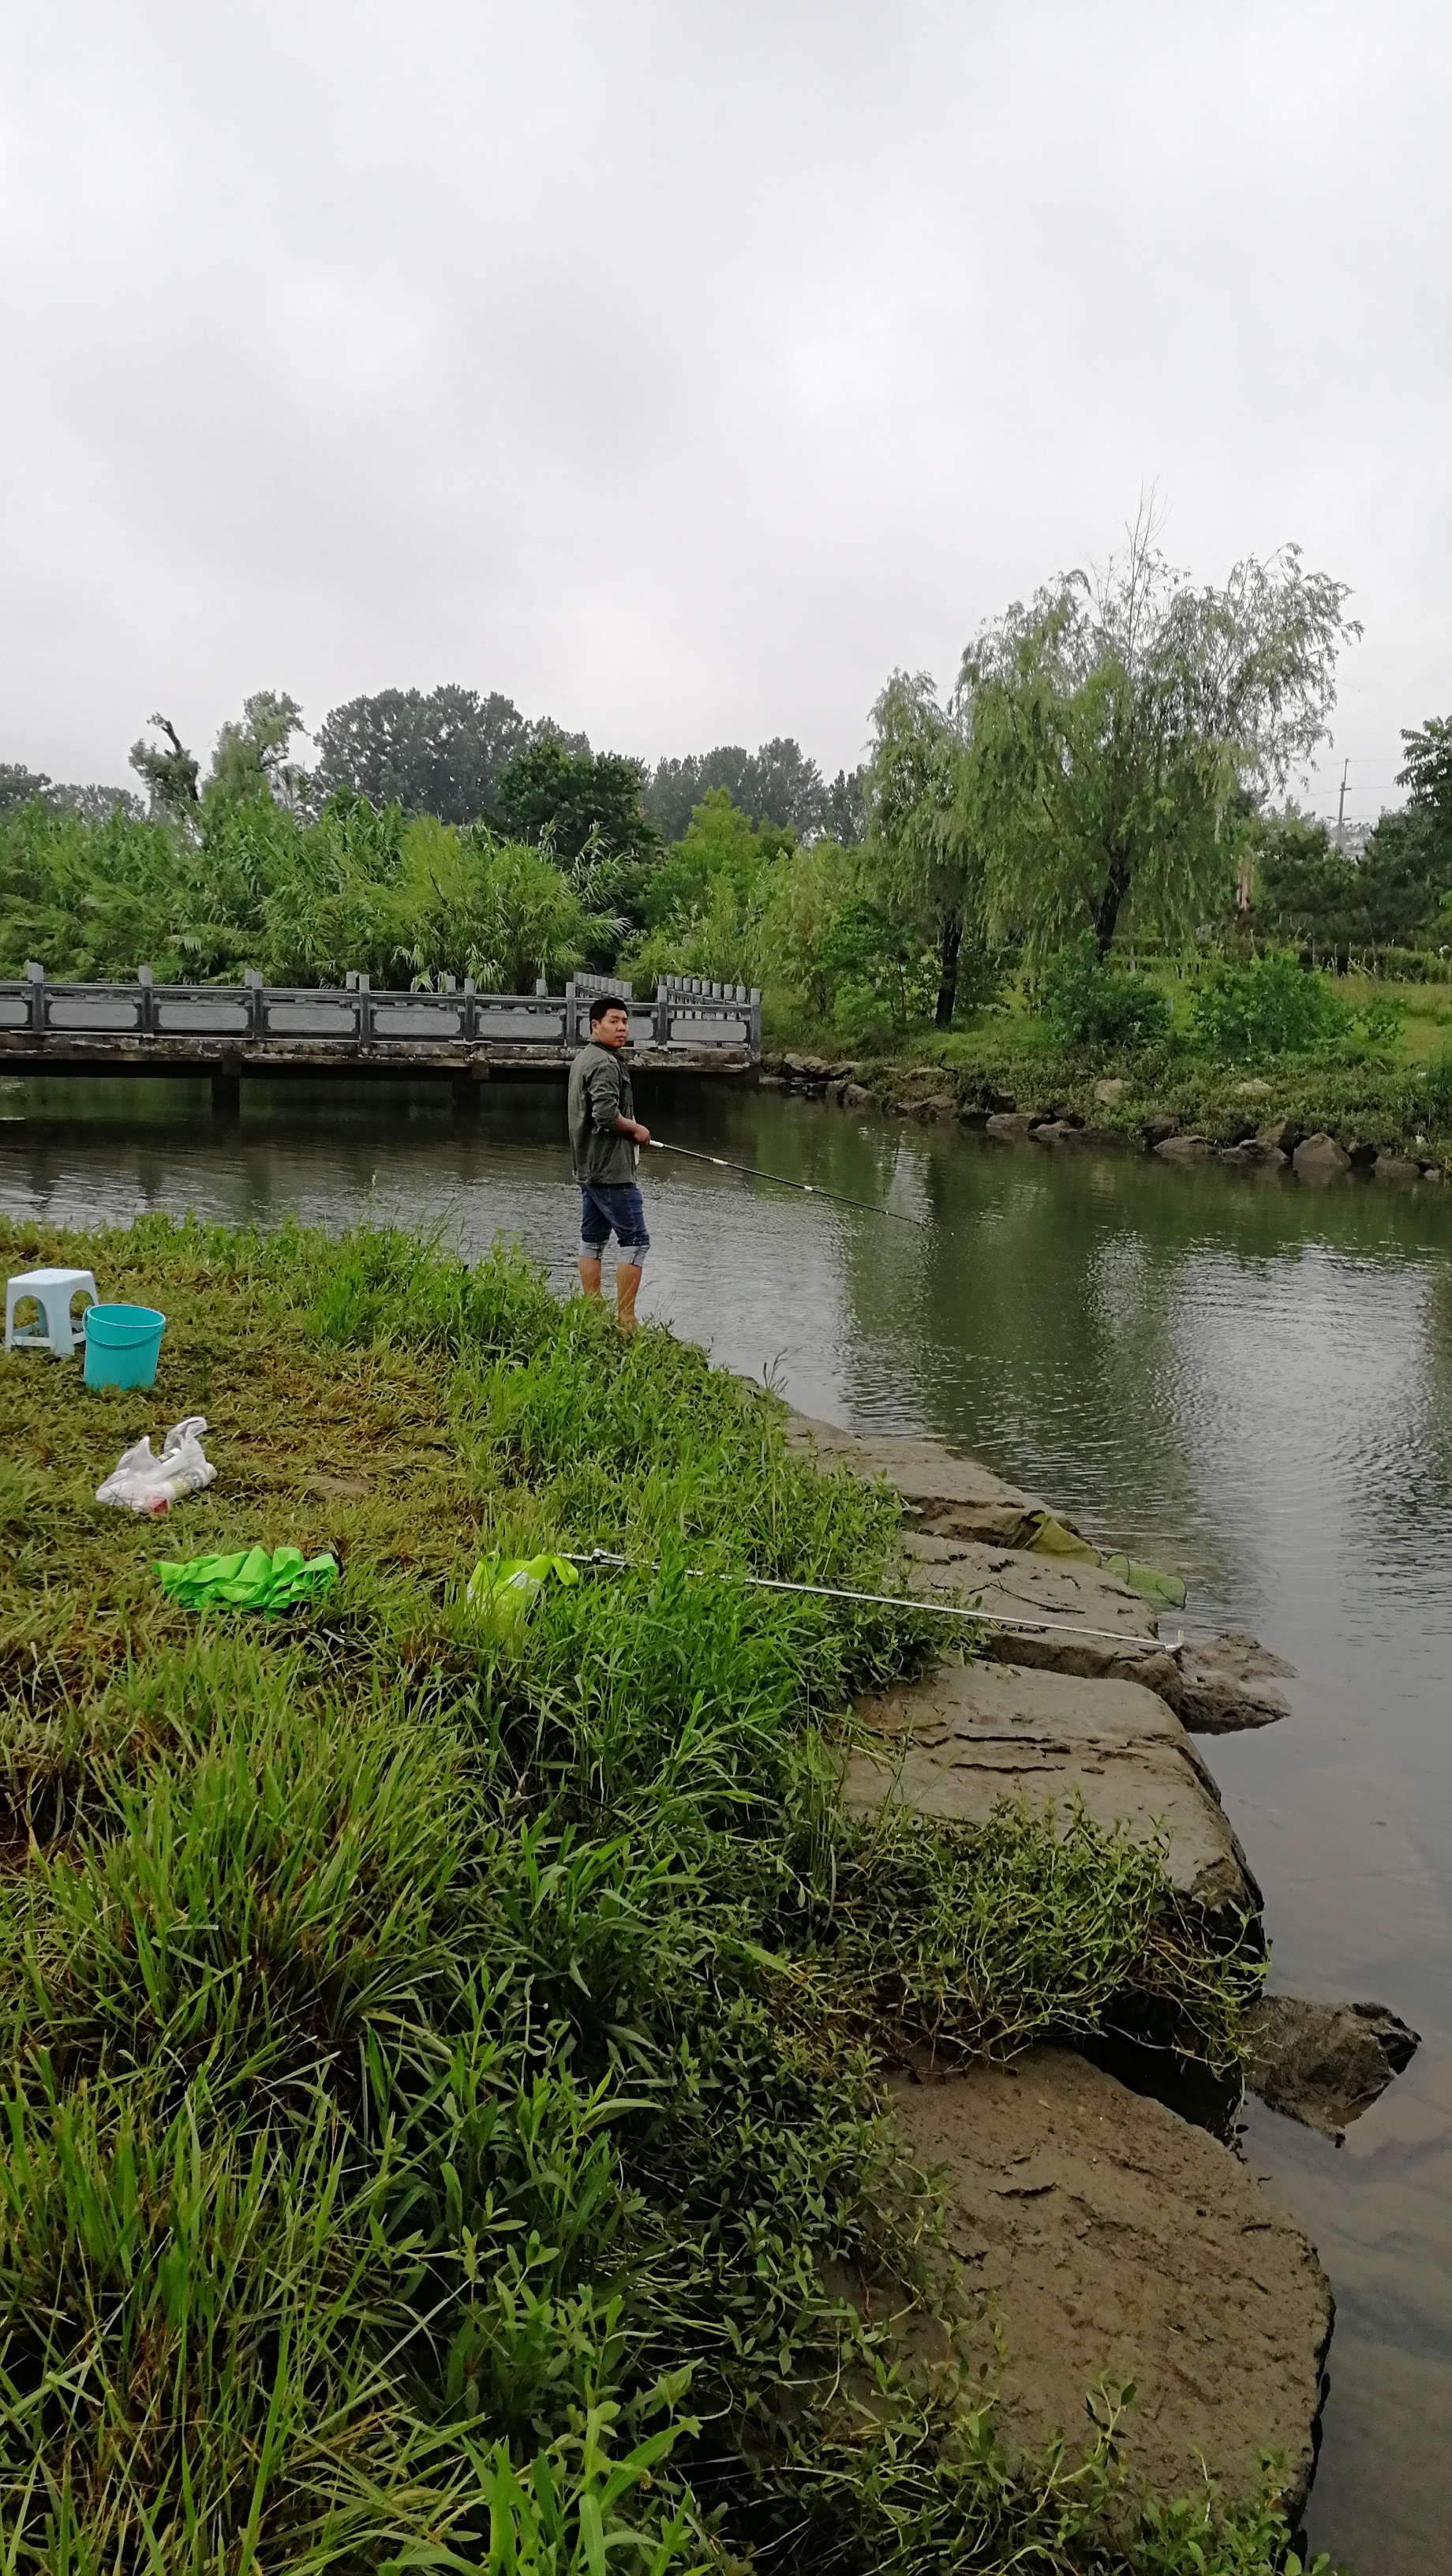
(812, 1189)
(603, 1560)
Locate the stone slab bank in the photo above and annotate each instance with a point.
(1113, 2236)
(970, 1539)
(967, 1736)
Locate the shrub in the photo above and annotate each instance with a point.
(1377, 1025)
(1094, 1004)
(881, 972)
(1271, 1007)
(1430, 1103)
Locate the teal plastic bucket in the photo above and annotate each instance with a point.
(122, 1345)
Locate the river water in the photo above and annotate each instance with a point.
(1225, 1372)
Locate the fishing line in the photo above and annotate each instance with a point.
(602, 1558)
(812, 1189)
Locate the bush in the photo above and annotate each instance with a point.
(1275, 1007)
(1271, 1007)
(1092, 1004)
(1377, 1025)
(1430, 1098)
(879, 969)
(1411, 965)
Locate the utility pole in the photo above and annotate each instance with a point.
(1341, 811)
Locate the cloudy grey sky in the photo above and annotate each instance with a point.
(679, 369)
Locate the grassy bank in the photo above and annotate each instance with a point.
(442, 2076)
(1397, 1097)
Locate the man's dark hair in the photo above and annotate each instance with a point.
(604, 1002)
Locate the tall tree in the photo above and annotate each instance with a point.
(1427, 769)
(1120, 723)
(94, 802)
(169, 770)
(1409, 858)
(1303, 889)
(781, 784)
(844, 807)
(21, 786)
(677, 787)
(584, 802)
(250, 762)
(439, 753)
(923, 849)
(778, 784)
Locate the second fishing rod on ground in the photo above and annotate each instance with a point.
(606, 1139)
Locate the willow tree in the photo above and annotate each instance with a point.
(1120, 723)
(923, 850)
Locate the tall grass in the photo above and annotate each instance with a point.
(443, 2077)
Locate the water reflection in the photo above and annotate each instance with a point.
(1240, 1377)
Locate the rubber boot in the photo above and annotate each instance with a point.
(627, 1280)
(589, 1276)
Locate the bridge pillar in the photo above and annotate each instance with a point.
(227, 1099)
(465, 1089)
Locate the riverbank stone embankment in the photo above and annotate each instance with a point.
(1274, 1144)
(1108, 2230)
(1105, 2227)
(965, 1737)
(974, 1538)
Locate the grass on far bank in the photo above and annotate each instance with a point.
(1384, 1100)
(441, 2077)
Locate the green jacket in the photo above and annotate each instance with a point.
(599, 1094)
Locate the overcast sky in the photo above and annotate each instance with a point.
(681, 369)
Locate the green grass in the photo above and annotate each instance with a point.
(443, 2079)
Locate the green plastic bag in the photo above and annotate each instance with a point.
(504, 1589)
(252, 1581)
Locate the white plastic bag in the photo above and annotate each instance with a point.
(141, 1483)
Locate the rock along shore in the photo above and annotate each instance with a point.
(1113, 2235)
(1271, 1143)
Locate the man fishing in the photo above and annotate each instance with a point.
(605, 1141)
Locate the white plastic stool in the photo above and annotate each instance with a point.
(57, 1329)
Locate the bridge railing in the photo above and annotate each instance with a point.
(689, 1012)
(582, 990)
(682, 1014)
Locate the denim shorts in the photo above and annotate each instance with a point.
(612, 1207)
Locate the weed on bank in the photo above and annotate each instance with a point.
(443, 2078)
(1219, 1051)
